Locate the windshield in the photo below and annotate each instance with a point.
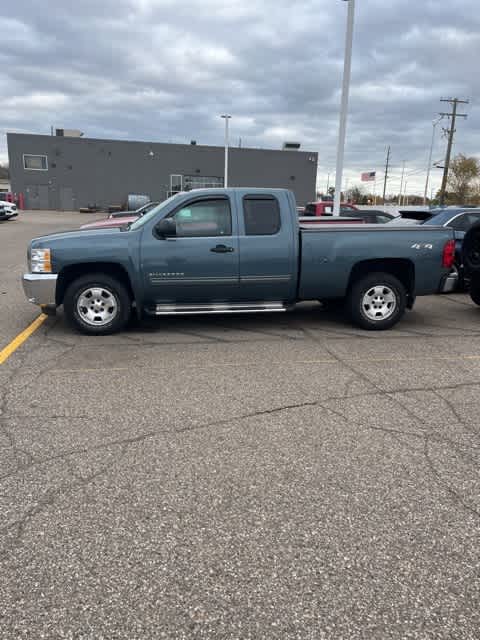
(153, 212)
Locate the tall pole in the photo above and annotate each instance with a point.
(342, 129)
(225, 174)
(451, 132)
(386, 174)
(328, 183)
(401, 182)
(429, 167)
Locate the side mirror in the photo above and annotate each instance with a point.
(166, 228)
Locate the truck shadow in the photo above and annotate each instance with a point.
(311, 315)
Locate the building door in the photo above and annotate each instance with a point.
(176, 184)
(66, 199)
(37, 196)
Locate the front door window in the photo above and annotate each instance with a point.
(204, 218)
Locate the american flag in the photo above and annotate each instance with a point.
(369, 176)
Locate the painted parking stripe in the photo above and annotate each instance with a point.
(17, 342)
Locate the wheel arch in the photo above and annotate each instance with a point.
(401, 268)
(70, 273)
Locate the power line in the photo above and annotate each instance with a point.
(450, 132)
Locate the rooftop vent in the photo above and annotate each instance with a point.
(291, 146)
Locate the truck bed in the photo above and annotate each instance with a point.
(329, 252)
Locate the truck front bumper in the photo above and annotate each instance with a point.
(40, 289)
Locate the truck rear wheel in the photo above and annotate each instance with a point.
(475, 289)
(377, 301)
(97, 304)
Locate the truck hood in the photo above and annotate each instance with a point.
(84, 235)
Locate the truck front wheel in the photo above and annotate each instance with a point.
(97, 304)
(377, 301)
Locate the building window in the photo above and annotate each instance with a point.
(35, 163)
(202, 182)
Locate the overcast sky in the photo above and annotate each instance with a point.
(164, 71)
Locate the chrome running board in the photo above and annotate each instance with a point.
(193, 309)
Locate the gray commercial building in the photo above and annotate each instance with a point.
(61, 172)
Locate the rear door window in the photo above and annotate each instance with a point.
(261, 215)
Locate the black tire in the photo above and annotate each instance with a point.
(120, 309)
(471, 250)
(392, 302)
(475, 289)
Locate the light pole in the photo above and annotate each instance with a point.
(225, 174)
(434, 126)
(405, 197)
(401, 183)
(347, 67)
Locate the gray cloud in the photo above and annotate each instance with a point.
(163, 70)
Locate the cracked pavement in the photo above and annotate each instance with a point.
(283, 476)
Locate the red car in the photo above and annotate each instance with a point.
(315, 209)
(110, 223)
(120, 218)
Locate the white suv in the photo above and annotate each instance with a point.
(7, 210)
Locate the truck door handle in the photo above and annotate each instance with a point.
(222, 248)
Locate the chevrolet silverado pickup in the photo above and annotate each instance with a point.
(234, 251)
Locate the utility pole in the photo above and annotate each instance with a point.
(451, 132)
(386, 174)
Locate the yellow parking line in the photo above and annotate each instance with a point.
(7, 351)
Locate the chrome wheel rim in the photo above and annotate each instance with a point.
(97, 306)
(379, 303)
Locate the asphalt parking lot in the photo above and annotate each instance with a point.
(283, 476)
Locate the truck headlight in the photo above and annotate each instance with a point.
(41, 261)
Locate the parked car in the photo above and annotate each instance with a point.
(369, 216)
(471, 261)
(109, 223)
(323, 208)
(138, 212)
(234, 251)
(8, 210)
(120, 218)
(460, 219)
(305, 221)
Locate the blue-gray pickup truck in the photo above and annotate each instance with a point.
(234, 250)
